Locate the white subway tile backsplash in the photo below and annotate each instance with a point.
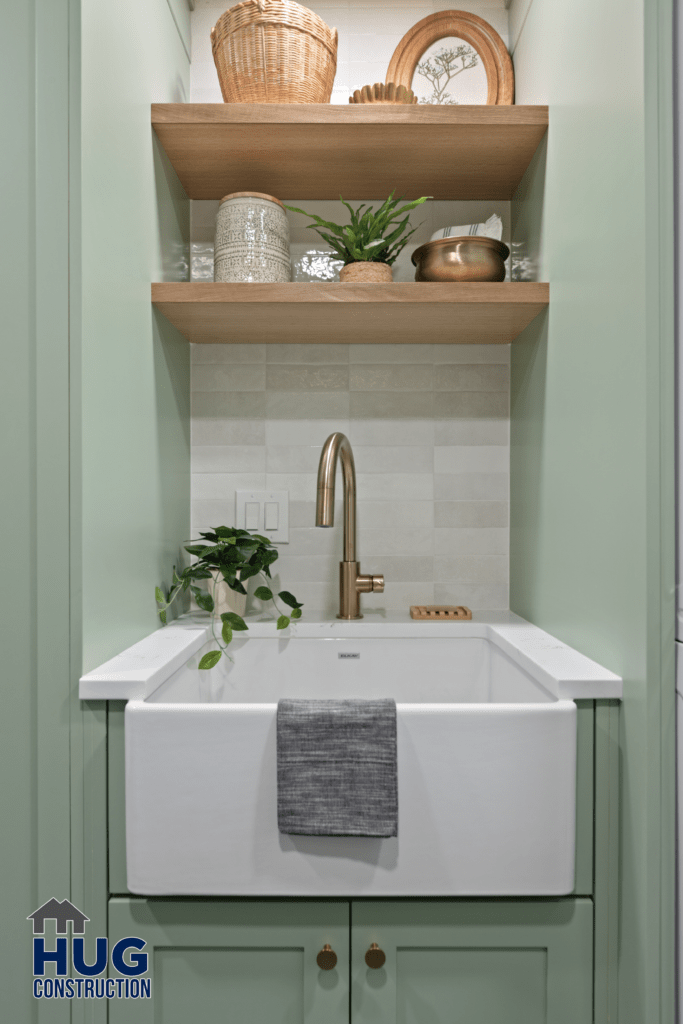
(293, 377)
(389, 377)
(391, 432)
(227, 432)
(471, 568)
(394, 459)
(471, 486)
(301, 486)
(222, 486)
(395, 486)
(292, 458)
(393, 353)
(493, 596)
(472, 541)
(429, 423)
(245, 458)
(303, 432)
(311, 405)
(228, 354)
(326, 354)
(397, 540)
(472, 432)
(476, 514)
(228, 377)
(379, 515)
(471, 459)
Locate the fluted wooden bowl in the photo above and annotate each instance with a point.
(383, 93)
(463, 258)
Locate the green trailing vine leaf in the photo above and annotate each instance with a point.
(235, 556)
(235, 620)
(209, 660)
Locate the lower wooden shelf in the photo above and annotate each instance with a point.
(483, 313)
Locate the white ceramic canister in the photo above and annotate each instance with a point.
(252, 239)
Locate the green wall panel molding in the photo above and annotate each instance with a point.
(484, 962)
(35, 167)
(240, 962)
(135, 367)
(592, 433)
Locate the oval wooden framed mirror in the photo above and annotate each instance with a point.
(457, 25)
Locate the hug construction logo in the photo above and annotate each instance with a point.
(72, 977)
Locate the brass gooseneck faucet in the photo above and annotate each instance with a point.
(351, 582)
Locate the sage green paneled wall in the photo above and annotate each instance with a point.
(592, 554)
(135, 366)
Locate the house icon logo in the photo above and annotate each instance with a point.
(62, 913)
(69, 971)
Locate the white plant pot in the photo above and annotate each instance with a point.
(225, 599)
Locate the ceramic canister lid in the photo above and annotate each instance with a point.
(251, 195)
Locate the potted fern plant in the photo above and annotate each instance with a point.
(370, 244)
(232, 557)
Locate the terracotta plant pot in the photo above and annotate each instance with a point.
(365, 272)
(224, 598)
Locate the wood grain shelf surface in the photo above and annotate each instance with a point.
(322, 313)
(361, 151)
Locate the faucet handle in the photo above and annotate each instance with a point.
(369, 584)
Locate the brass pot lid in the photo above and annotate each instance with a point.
(445, 243)
(251, 195)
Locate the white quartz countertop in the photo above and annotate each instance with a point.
(564, 672)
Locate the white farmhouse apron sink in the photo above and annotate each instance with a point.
(486, 759)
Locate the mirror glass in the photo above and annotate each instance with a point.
(450, 71)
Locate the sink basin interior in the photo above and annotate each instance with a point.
(464, 671)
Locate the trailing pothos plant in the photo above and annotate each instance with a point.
(370, 236)
(236, 556)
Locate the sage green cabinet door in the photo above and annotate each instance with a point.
(241, 963)
(473, 962)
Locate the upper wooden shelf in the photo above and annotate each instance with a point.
(322, 151)
(406, 312)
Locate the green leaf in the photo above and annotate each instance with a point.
(162, 616)
(209, 660)
(194, 549)
(235, 620)
(282, 622)
(249, 571)
(226, 632)
(296, 613)
(159, 595)
(205, 601)
(289, 599)
(263, 594)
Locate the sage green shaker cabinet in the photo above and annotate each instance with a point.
(447, 961)
(239, 962)
(483, 962)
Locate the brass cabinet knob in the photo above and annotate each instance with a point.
(326, 958)
(375, 957)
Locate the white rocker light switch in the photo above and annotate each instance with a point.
(265, 512)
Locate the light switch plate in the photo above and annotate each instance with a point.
(246, 513)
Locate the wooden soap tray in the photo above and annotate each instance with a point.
(440, 612)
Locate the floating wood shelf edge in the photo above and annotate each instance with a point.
(317, 151)
(208, 313)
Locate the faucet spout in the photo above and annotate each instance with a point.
(351, 582)
(337, 445)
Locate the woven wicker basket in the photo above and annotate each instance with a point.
(274, 51)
